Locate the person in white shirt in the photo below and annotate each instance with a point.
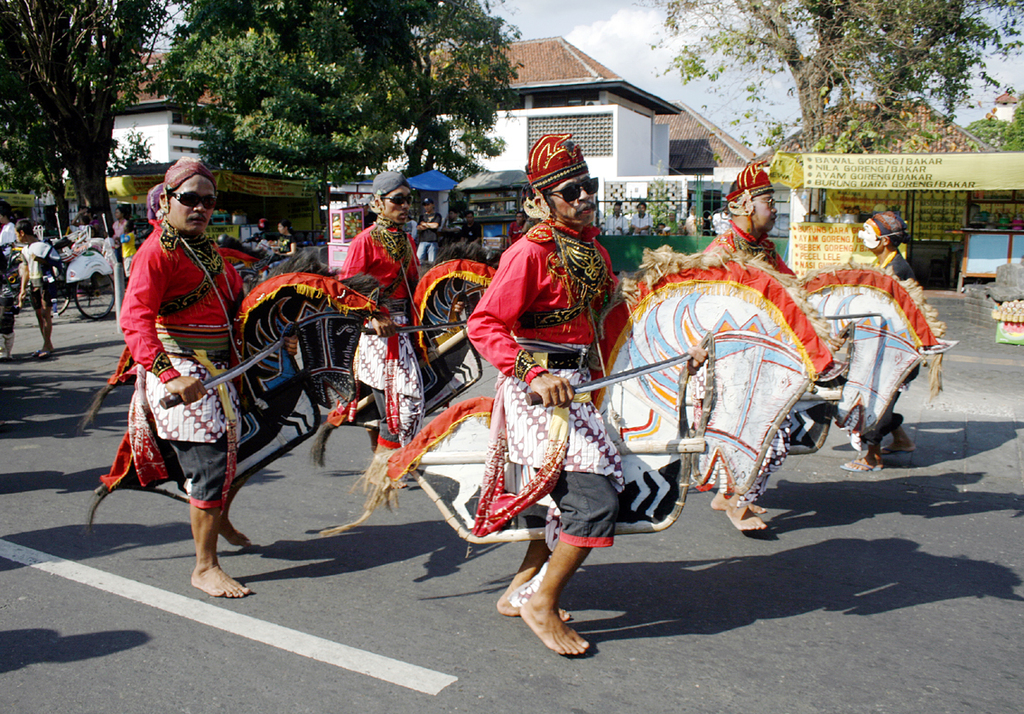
(8, 236)
(640, 224)
(616, 224)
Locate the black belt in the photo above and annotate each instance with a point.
(561, 360)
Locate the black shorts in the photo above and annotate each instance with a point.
(205, 467)
(385, 437)
(590, 506)
(41, 294)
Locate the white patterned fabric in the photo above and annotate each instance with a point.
(399, 379)
(203, 421)
(590, 450)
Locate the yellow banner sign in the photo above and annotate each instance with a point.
(913, 172)
(814, 245)
(125, 186)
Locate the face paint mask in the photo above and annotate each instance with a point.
(868, 236)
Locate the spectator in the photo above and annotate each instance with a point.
(287, 243)
(518, 227)
(690, 227)
(472, 232)
(616, 224)
(40, 262)
(640, 224)
(8, 236)
(124, 235)
(426, 236)
(449, 232)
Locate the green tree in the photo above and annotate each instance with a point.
(293, 88)
(327, 89)
(80, 60)
(132, 150)
(869, 60)
(29, 162)
(461, 74)
(990, 130)
(1015, 132)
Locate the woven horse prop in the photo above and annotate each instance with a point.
(764, 351)
(449, 365)
(889, 329)
(281, 397)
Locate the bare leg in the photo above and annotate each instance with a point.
(537, 553)
(900, 441)
(207, 575)
(720, 503)
(45, 317)
(874, 455)
(744, 518)
(541, 612)
(231, 534)
(373, 432)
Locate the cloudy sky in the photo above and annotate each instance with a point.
(620, 35)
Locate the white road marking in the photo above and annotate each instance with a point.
(355, 660)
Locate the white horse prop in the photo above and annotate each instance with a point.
(765, 353)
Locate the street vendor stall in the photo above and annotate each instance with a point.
(934, 193)
(242, 199)
(494, 197)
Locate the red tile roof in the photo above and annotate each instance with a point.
(552, 60)
(697, 146)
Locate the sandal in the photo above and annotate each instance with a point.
(860, 465)
(41, 354)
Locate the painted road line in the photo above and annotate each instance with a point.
(982, 360)
(355, 660)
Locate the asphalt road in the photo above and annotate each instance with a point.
(894, 591)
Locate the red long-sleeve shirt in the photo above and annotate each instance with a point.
(727, 241)
(158, 276)
(527, 281)
(365, 256)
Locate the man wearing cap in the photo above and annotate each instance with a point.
(430, 222)
(883, 234)
(176, 318)
(536, 324)
(752, 214)
(386, 361)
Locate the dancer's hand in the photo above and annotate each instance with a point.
(553, 391)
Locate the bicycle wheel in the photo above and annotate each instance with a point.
(62, 298)
(94, 297)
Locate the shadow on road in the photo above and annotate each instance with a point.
(33, 646)
(849, 576)
(819, 505)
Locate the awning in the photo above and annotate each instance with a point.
(992, 171)
(489, 180)
(264, 186)
(432, 181)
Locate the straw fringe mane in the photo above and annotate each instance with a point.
(657, 264)
(916, 292)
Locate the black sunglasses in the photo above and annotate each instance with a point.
(400, 200)
(572, 192)
(191, 199)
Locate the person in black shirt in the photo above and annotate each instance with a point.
(472, 232)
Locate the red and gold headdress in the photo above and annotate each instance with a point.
(554, 159)
(752, 181)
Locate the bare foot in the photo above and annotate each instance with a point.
(552, 631)
(509, 610)
(217, 583)
(232, 535)
(745, 520)
(721, 503)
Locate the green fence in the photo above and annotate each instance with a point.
(626, 252)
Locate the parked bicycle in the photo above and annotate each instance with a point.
(85, 275)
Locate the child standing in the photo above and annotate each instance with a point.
(40, 260)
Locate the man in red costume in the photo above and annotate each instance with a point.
(386, 361)
(751, 202)
(536, 324)
(176, 319)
